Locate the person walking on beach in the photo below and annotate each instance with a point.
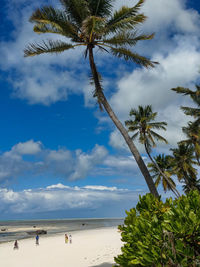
(70, 239)
(66, 238)
(37, 239)
(16, 246)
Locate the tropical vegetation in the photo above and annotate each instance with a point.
(162, 234)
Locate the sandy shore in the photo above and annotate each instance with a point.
(89, 248)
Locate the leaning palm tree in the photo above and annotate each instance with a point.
(143, 127)
(164, 163)
(90, 23)
(192, 131)
(183, 160)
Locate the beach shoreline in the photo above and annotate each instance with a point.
(12, 230)
(89, 248)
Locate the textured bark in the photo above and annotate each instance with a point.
(102, 100)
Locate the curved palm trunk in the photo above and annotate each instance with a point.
(174, 190)
(119, 126)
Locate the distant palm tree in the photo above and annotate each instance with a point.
(164, 163)
(192, 131)
(91, 24)
(183, 161)
(195, 95)
(143, 127)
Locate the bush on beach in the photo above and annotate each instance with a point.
(158, 234)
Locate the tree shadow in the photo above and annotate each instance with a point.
(105, 264)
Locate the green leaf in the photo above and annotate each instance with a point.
(46, 47)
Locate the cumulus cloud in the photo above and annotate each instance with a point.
(57, 186)
(86, 162)
(66, 198)
(33, 159)
(100, 187)
(27, 148)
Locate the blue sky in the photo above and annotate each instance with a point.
(62, 157)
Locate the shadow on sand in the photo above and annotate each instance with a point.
(104, 265)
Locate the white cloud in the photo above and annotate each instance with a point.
(66, 198)
(27, 148)
(172, 13)
(100, 187)
(57, 186)
(85, 162)
(63, 163)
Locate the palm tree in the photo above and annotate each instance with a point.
(183, 161)
(164, 163)
(195, 95)
(193, 184)
(91, 24)
(192, 131)
(142, 126)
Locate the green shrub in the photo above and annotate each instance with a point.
(162, 234)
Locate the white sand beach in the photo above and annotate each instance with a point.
(89, 248)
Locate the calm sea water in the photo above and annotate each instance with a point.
(18, 229)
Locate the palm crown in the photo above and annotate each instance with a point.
(183, 158)
(143, 124)
(164, 163)
(90, 23)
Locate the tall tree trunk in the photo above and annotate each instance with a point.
(102, 100)
(174, 190)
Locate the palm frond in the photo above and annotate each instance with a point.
(126, 18)
(158, 125)
(129, 123)
(57, 20)
(102, 48)
(124, 38)
(133, 137)
(43, 28)
(76, 10)
(92, 24)
(159, 137)
(129, 55)
(100, 8)
(182, 90)
(46, 47)
(191, 111)
(151, 140)
(133, 128)
(186, 141)
(158, 180)
(125, 24)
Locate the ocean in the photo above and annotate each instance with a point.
(12, 230)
